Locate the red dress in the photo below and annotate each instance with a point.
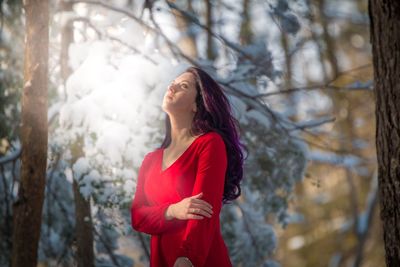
(201, 168)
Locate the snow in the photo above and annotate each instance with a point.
(296, 242)
(11, 155)
(259, 117)
(53, 110)
(113, 102)
(63, 17)
(80, 167)
(110, 102)
(363, 217)
(28, 84)
(335, 159)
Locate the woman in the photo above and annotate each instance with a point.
(182, 185)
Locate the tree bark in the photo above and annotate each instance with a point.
(84, 229)
(187, 42)
(385, 40)
(83, 217)
(329, 41)
(67, 37)
(209, 23)
(246, 32)
(27, 210)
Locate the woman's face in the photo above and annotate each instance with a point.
(180, 95)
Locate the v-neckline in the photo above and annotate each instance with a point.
(178, 158)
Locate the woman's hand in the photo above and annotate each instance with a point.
(189, 208)
(182, 262)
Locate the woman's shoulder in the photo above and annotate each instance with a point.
(150, 156)
(212, 138)
(212, 135)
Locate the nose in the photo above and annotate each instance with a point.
(171, 88)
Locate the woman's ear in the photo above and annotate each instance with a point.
(194, 109)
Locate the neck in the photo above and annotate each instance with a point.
(180, 129)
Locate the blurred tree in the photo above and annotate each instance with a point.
(187, 42)
(342, 190)
(276, 162)
(11, 74)
(385, 39)
(28, 208)
(329, 42)
(11, 80)
(83, 216)
(209, 24)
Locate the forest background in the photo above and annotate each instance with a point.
(298, 75)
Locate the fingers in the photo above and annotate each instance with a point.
(193, 216)
(202, 208)
(202, 202)
(198, 195)
(198, 208)
(200, 211)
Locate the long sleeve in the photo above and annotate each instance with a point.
(210, 179)
(147, 218)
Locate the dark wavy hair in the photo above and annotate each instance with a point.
(214, 114)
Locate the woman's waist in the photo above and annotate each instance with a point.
(180, 232)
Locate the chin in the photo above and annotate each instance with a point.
(166, 107)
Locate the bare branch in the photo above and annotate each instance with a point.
(313, 123)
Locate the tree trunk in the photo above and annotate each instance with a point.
(187, 43)
(209, 23)
(27, 210)
(329, 41)
(84, 229)
(67, 37)
(83, 217)
(385, 40)
(246, 32)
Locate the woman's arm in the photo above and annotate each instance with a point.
(183, 262)
(146, 218)
(210, 179)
